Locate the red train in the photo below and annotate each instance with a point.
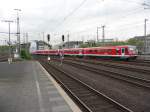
(117, 52)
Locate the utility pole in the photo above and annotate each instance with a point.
(18, 32)
(83, 39)
(10, 58)
(145, 39)
(26, 37)
(27, 42)
(146, 6)
(97, 33)
(103, 34)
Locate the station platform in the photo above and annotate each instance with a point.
(27, 87)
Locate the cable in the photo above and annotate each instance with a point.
(7, 33)
(131, 1)
(72, 12)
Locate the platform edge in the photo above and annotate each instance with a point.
(68, 100)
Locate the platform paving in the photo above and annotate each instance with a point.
(24, 87)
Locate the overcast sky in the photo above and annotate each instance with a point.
(80, 18)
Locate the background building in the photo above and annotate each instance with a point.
(145, 47)
(72, 44)
(38, 45)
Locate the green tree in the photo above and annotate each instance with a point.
(133, 41)
(118, 43)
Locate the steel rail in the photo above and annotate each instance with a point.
(3, 58)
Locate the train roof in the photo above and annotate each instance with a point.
(73, 49)
(101, 47)
(108, 47)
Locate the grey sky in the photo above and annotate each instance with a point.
(123, 18)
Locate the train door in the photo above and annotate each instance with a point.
(117, 51)
(80, 52)
(122, 51)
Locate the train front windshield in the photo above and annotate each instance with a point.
(133, 49)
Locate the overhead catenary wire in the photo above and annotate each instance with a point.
(7, 33)
(71, 13)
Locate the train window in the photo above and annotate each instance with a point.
(109, 50)
(103, 50)
(95, 51)
(131, 48)
(80, 51)
(100, 50)
(126, 50)
(90, 50)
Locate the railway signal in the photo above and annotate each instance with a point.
(48, 37)
(63, 38)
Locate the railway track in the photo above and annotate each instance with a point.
(139, 69)
(140, 62)
(130, 62)
(140, 82)
(89, 99)
(3, 58)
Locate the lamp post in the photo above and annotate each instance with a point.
(9, 21)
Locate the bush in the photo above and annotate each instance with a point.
(25, 54)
